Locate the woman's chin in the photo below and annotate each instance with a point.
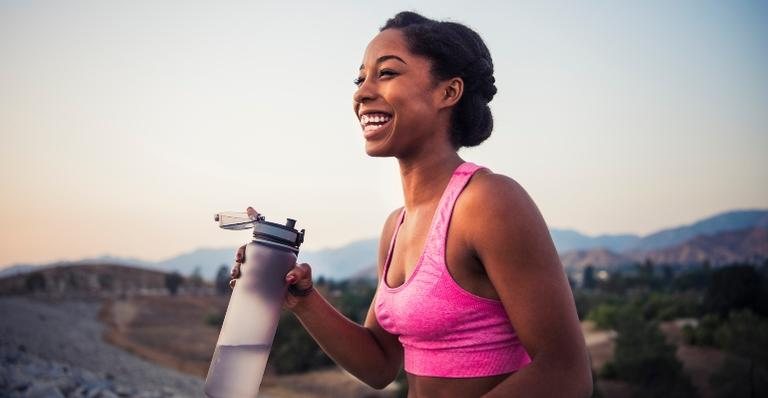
(376, 151)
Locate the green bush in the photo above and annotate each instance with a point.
(739, 378)
(704, 333)
(643, 358)
(744, 334)
(606, 316)
(666, 307)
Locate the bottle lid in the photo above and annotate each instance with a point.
(283, 235)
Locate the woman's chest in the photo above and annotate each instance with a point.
(417, 250)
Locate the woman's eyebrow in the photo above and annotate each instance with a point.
(384, 58)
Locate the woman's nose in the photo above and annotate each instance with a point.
(364, 92)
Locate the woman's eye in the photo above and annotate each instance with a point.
(387, 72)
(358, 81)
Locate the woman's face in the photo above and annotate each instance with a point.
(396, 101)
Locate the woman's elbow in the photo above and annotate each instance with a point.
(577, 374)
(584, 386)
(588, 387)
(382, 379)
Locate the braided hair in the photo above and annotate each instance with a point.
(454, 51)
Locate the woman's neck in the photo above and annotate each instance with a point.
(424, 178)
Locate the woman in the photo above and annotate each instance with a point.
(472, 297)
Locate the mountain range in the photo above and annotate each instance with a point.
(740, 235)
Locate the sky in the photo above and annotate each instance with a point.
(125, 126)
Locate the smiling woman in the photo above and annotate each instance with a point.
(472, 299)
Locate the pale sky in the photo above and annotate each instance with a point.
(126, 125)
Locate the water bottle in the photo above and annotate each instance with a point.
(254, 308)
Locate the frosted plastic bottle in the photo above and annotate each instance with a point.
(254, 308)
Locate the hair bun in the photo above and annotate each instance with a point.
(478, 76)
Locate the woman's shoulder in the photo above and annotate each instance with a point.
(496, 201)
(489, 188)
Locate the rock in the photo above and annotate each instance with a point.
(43, 390)
(107, 394)
(64, 384)
(149, 394)
(124, 391)
(18, 380)
(93, 392)
(78, 393)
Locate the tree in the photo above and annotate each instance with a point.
(35, 282)
(643, 357)
(196, 279)
(731, 288)
(173, 281)
(589, 277)
(222, 280)
(645, 271)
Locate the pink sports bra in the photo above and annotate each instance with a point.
(445, 330)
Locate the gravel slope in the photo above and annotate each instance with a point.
(68, 334)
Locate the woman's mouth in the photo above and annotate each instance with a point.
(374, 123)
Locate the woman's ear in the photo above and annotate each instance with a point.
(452, 91)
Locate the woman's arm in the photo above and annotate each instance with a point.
(511, 240)
(368, 352)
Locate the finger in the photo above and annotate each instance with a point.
(252, 213)
(232, 283)
(295, 274)
(240, 255)
(235, 272)
(300, 276)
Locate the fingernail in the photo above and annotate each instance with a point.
(291, 278)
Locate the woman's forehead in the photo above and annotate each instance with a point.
(387, 42)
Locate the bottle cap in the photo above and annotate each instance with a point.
(283, 235)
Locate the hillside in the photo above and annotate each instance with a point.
(750, 244)
(600, 257)
(102, 280)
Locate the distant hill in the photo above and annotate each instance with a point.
(729, 221)
(599, 257)
(343, 262)
(24, 268)
(576, 249)
(749, 244)
(209, 261)
(91, 280)
(334, 263)
(567, 240)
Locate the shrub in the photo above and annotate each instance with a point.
(642, 357)
(606, 316)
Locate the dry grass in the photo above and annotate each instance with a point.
(172, 332)
(167, 330)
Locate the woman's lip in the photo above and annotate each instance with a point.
(369, 132)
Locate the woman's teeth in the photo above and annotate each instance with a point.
(374, 118)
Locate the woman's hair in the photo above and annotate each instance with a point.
(455, 51)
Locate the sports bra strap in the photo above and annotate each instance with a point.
(436, 239)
